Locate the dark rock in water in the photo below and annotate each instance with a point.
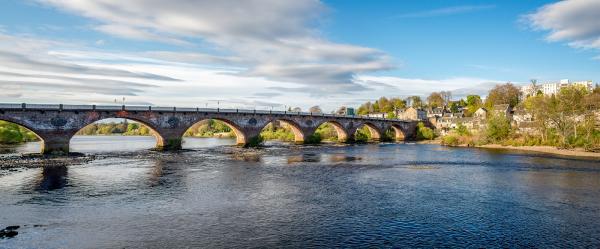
(8, 233)
(11, 233)
(12, 227)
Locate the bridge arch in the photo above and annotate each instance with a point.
(152, 129)
(299, 135)
(24, 125)
(240, 136)
(375, 133)
(341, 132)
(398, 134)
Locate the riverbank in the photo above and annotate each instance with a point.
(577, 152)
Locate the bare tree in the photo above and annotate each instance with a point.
(315, 109)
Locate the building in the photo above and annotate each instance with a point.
(377, 115)
(587, 84)
(411, 113)
(481, 113)
(437, 112)
(530, 90)
(554, 88)
(504, 110)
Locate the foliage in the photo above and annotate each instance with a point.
(462, 130)
(497, 128)
(11, 133)
(503, 94)
(327, 132)
(315, 109)
(415, 101)
(424, 133)
(362, 135)
(315, 138)
(450, 139)
(383, 104)
(210, 128)
(435, 99)
(254, 141)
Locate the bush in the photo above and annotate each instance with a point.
(498, 128)
(423, 132)
(313, 139)
(255, 141)
(451, 140)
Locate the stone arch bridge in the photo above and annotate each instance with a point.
(56, 124)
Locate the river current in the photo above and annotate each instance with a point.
(214, 195)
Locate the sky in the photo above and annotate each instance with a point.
(273, 54)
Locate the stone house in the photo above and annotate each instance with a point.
(411, 113)
(503, 109)
(481, 113)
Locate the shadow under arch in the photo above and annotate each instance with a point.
(240, 136)
(152, 130)
(340, 131)
(397, 133)
(27, 129)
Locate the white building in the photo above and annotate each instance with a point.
(554, 88)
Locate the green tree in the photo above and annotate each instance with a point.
(10, 133)
(498, 128)
(424, 132)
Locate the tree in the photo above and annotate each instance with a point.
(415, 101)
(296, 109)
(446, 96)
(132, 127)
(424, 132)
(435, 99)
(498, 128)
(503, 94)
(571, 103)
(454, 106)
(9, 133)
(473, 100)
(398, 103)
(365, 108)
(315, 109)
(341, 110)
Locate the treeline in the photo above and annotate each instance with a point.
(502, 94)
(114, 128)
(12, 134)
(210, 128)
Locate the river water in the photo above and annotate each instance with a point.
(215, 195)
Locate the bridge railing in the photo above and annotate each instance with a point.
(58, 107)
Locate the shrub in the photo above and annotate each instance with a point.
(450, 139)
(498, 128)
(424, 132)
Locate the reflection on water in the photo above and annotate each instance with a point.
(375, 195)
(52, 177)
(100, 144)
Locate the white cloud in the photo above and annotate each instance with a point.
(576, 22)
(273, 39)
(445, 11)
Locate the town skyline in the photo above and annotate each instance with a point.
(95, 52)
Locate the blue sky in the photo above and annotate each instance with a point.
(271, 54)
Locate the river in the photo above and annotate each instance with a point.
(214, 195)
